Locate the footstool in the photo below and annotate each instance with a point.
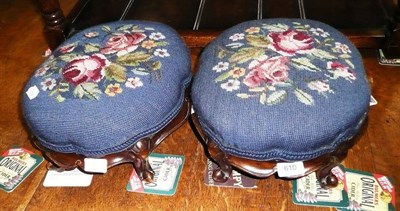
(277, 95)
(111, 92)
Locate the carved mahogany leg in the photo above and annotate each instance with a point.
(224, 170)
(143, 169)
(55, 23)
(324, 175)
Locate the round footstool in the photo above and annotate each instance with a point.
(269, 93)
(112, 92)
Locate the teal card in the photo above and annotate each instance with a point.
(167, 170)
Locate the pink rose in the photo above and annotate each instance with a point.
(268, 70)
(340, 70)
(67, 48)
(290, 42)
(85, 68)
(123, 43)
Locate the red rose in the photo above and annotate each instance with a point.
(268, 70)
(123, 43)
(290, 42)
(85, 68)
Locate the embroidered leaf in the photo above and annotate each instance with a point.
(235, 45)
(257, 89)
(156, 65)
(282, 84)
(163, 43)
(89, 90)
(68, 57)
(133, 59)
(140, 71)
(350, 63)
(149, 28)
(276, 97)
(258, 40)
(263, 98)
(60, 98)
(223, 76)
(322, 54)
(115, 72)
(276, 27)
(91, 47)
(304, 64)
(124, 27)
(106, 28)
(345, 56)
(243, 95)
(245, 54)
(221, 53)
(304, 97)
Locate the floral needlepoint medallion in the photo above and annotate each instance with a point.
(265, 61)
(104, 62)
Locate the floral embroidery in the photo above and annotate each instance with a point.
(262, 62)
(89, 69)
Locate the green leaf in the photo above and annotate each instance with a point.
(349, 63)
(223, 76)
(304, 64)
(257, 89)
(89, 90)
(134, 59)
(68, 57)
(106, 28)
(140, 71)
(124, 27)
(245, 54)
(258, 40)
(115, 72)
(243, 95)
(276, 97)
(60, 98)
(156, 65)
(221, 54)
(304, 97)
(163, 43)
(322, 54)
(263, 98)
(91, 47)
(345, 56)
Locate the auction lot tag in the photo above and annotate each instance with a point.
(95, 165)
(73, 178)
(15, 165)
(290, 169)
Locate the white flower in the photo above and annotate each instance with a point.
(231, 85)
(237, 36)
(41, 71)
(221, 66)
(156, 36)
(133, 83)
(319, 86)
(342, 47)
(48, 84)
(161, 52)
(319, 32)
(91, 34)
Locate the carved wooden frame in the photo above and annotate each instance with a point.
(136, 154)
(262, 169)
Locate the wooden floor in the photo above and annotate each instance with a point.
(22, 43)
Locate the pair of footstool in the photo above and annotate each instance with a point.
(274, 95)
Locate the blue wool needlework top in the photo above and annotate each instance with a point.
(107, 87)
(287, 89)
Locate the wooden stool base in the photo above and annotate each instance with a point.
(137, 154)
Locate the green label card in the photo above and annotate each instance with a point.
(15, 165)
(308, 191)
(167, 170)
(369, 191)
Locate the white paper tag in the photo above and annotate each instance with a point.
(32, 92)
(290, 169)
(95, 165)
(372, 101)
(74, 178)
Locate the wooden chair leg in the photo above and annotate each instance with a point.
(324, 175)
(224, 168)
